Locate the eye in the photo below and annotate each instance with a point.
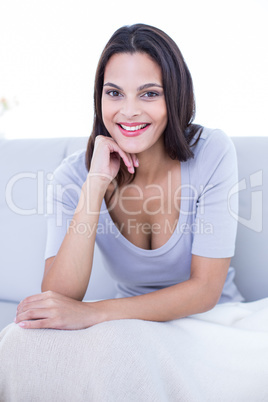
(113, 93)
(150, 94)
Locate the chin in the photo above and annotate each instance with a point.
(130, 145)
(132, 148)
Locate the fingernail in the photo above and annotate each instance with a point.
(21, 324)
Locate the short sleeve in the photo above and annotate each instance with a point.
(63, 192)
(215, 206)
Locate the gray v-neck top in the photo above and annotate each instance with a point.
(206, 224)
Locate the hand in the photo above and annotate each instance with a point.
(106, 158)
(53, 310)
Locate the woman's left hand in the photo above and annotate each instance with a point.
(53, 310)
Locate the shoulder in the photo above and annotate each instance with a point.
(67, 181)
(214, 158)
(72, 169)
(211, 138)
(213, 145)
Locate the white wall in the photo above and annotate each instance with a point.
(49, 51)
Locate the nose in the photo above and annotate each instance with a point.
(130, 107)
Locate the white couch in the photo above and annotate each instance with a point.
(25, 165)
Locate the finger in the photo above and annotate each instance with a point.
(35, 324)
(28, 300)
(44, 303)
(31, 298)
(32, 314)
(135, 160)
(38, 298)
(114, 147)
(126, 157)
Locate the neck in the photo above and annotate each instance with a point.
(153, 164)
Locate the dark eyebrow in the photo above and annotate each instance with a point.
(149, 85)
(110, 84)
(145, 86)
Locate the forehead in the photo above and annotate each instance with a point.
(136, 68)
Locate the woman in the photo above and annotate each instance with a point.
(161, 183)
(153, 191)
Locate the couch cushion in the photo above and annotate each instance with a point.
(7, 313)
(251, 255)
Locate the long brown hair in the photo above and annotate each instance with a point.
(177, 83)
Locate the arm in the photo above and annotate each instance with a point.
(69, 272)
(198, 294)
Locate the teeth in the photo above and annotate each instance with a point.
(134, 128)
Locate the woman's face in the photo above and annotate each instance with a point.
(133, 102)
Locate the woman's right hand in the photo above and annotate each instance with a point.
(106, 159)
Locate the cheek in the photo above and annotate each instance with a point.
(108, 112)
(160, 114)
(158, 108)
(104, 110)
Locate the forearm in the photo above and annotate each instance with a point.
(53, 310)
(181, 300)
(70, 272)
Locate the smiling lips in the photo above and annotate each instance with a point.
(132, 129)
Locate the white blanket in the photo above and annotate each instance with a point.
(221, 355)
